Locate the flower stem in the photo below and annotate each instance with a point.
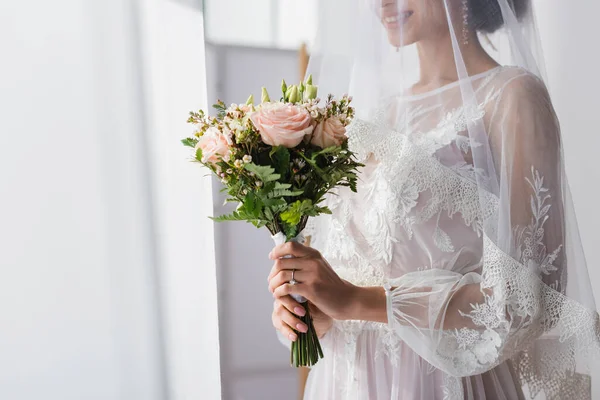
(306, 350)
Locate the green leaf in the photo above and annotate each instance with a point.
(199, 155)
(263, 172)
(240, 215)
(190, 142)
(269, 214)
(322, 210)
(290, 231)
(249, 203)
(234, 216)
(221, 109)
(295, 212)
(327, 150)
(281, 157)
(276, 205)
(253, 205)
(282, 190)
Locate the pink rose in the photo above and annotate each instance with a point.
(213, 145)
(282, 124)
(330, 132)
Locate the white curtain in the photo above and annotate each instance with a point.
(92, 300)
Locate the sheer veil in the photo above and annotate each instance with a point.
(486, 129)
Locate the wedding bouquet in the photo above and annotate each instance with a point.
(278, 160)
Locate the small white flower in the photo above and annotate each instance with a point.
(259, 184)
(252, 174)
(230, 171)
(238, 163)
(247, 158)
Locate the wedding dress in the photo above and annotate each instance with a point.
(463, 214)
(415, 225)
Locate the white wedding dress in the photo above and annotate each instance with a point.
(467, 320)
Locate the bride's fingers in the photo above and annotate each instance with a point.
(284, 328)
(292, 305)
(287, 264)
(287, 289)
(285, 276)
(290, 319)
(290, 249)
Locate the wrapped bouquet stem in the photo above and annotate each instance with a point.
(277, 161)
(306, 350)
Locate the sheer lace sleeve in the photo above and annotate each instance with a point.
(466, 324)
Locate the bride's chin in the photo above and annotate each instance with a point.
(399, 39)
(396, 42)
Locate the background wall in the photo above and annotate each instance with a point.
(572, 53)
(100, 213)
(255, 366)
(78, 287)
(173, 58)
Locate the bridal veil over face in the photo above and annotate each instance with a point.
(470, 224)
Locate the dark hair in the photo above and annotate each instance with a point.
(486, 16)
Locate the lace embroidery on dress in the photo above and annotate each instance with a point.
(453, 388)
(520, 299)
(407, 167)
(531, 251)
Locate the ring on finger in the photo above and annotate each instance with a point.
(293, 281)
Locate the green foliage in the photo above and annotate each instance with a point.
(281, 160)
(279, 190)
(190, 142)
(270, 195)
(263, 173)
(221, 109)
(199, 155)
(295, 212)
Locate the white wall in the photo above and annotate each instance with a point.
(174, 62)
(572, 57)
(269, 23)
(78, 290)
(103, 235)
(572, 53)
(255, 366)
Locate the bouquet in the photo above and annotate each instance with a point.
(278, 160)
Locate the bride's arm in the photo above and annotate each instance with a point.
(468, 324)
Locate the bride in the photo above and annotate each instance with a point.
(456, 271)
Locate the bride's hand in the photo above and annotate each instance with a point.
(286, 322)
(317, 281)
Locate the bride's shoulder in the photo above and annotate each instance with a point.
(522, 99)
(519, 83)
